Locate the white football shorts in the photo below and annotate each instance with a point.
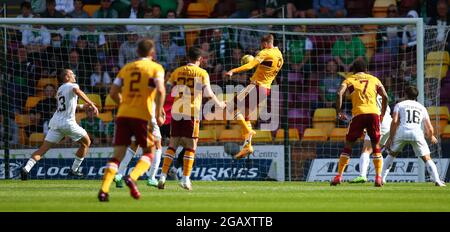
(71, 129)
(419, 146)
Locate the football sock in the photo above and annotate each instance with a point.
(378, 163)
(110, 171)
(246, 127)
(343, 160)
(188, 162)
(432, 169)
(364, 161)
(124, 164)
(76, 163)
(168, 158)
(387, 164)
(30, 163)
(155, 164)
(142, 166)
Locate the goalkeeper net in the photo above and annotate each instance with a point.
(317, 59)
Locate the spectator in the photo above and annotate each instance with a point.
(243, 8)
(78, 69)
(176, 31)
(442, 21)
(150, 31)
(45, 108)
(51, 12)
(348, 49)
(13, 131)
(248, 36)
(95, 39)
(25, 8)
(37, 6)
(223, 8)
(65, 6)
(109, 130)
(134, 11)
(127, 51)
(165, 6)
(36, 39)
(168, 52)
(409, 39)
(106, 11)
(93, 126)
(88, 54)
(300, 9)
(220, 45)
(329, 8)
(100, 80)
(24, 77)
(390, 39)
(78, 11)
(329, 84)
(55, 55)
(299, 49)
(156, 11)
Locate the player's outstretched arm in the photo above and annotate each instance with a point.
(209, 93)
(242, 68)
(339, 97)
(83, 96)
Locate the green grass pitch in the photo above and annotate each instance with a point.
(81, 195)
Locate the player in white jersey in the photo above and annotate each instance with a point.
(63, 124)
(131, 152)
(364, 159)
(409, 120)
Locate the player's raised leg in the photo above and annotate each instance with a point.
(35, 157)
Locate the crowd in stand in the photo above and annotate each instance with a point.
(96, 53)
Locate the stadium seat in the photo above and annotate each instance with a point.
(440, 112)
(91, 9)
(327, 127)
(380, 7)
(446, 132)
(438, 58)
(32, 101)
(46, 81)
(436, 71)
(293, 135)
(197, 10)
(217, 129)
(314, 134)
(106, 116)
(228, 135)
(22, 120)
(338, 134)
(209, 4)
(262, 136)
(207, 136)
(36, 139)
(110, 104)
(324, 115)
(191, 37)
(95, 98)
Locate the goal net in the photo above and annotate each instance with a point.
(304, 139)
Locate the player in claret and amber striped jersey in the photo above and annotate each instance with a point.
(363, 89)
(133, 91)
(268, 62)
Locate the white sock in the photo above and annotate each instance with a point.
(30, 163)
(76, 163)
(124, 163)
(155, 164)
(432, 169)
(364, 162)
(387, 164)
